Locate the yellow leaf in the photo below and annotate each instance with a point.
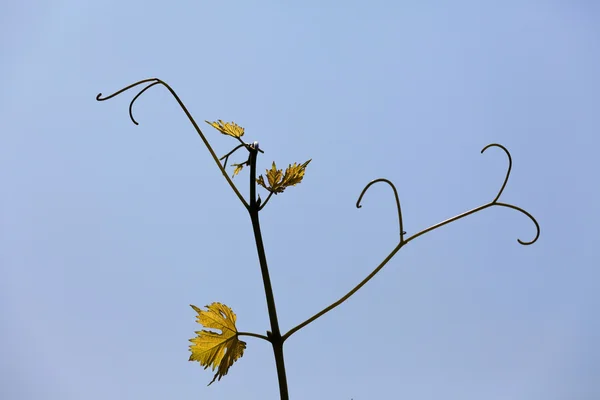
(216, 350)
(278, 181)
(227, 128)
(238, 168)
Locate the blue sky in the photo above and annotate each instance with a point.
(109, 230)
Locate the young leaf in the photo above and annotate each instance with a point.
(238, 168)
(227, 128)
(294, 174)
(278, 181)
(219, 350)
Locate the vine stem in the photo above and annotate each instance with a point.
(274, 335)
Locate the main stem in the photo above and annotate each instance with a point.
(274, 335)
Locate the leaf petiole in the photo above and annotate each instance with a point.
(256, 335)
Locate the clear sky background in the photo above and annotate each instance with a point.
(108, 231)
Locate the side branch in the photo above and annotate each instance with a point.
(156, 81)
(416, 235)
(226, 156)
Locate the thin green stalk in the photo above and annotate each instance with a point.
(347, 295)
(274, 335)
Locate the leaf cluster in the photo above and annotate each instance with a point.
(276, 179)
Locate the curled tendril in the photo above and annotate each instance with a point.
(416, 235)
(136, 97)
(537, 226)
(403, 241)
(395, 195)
(507, 171)
(155, 81)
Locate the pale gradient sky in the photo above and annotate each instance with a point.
(108, 231)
